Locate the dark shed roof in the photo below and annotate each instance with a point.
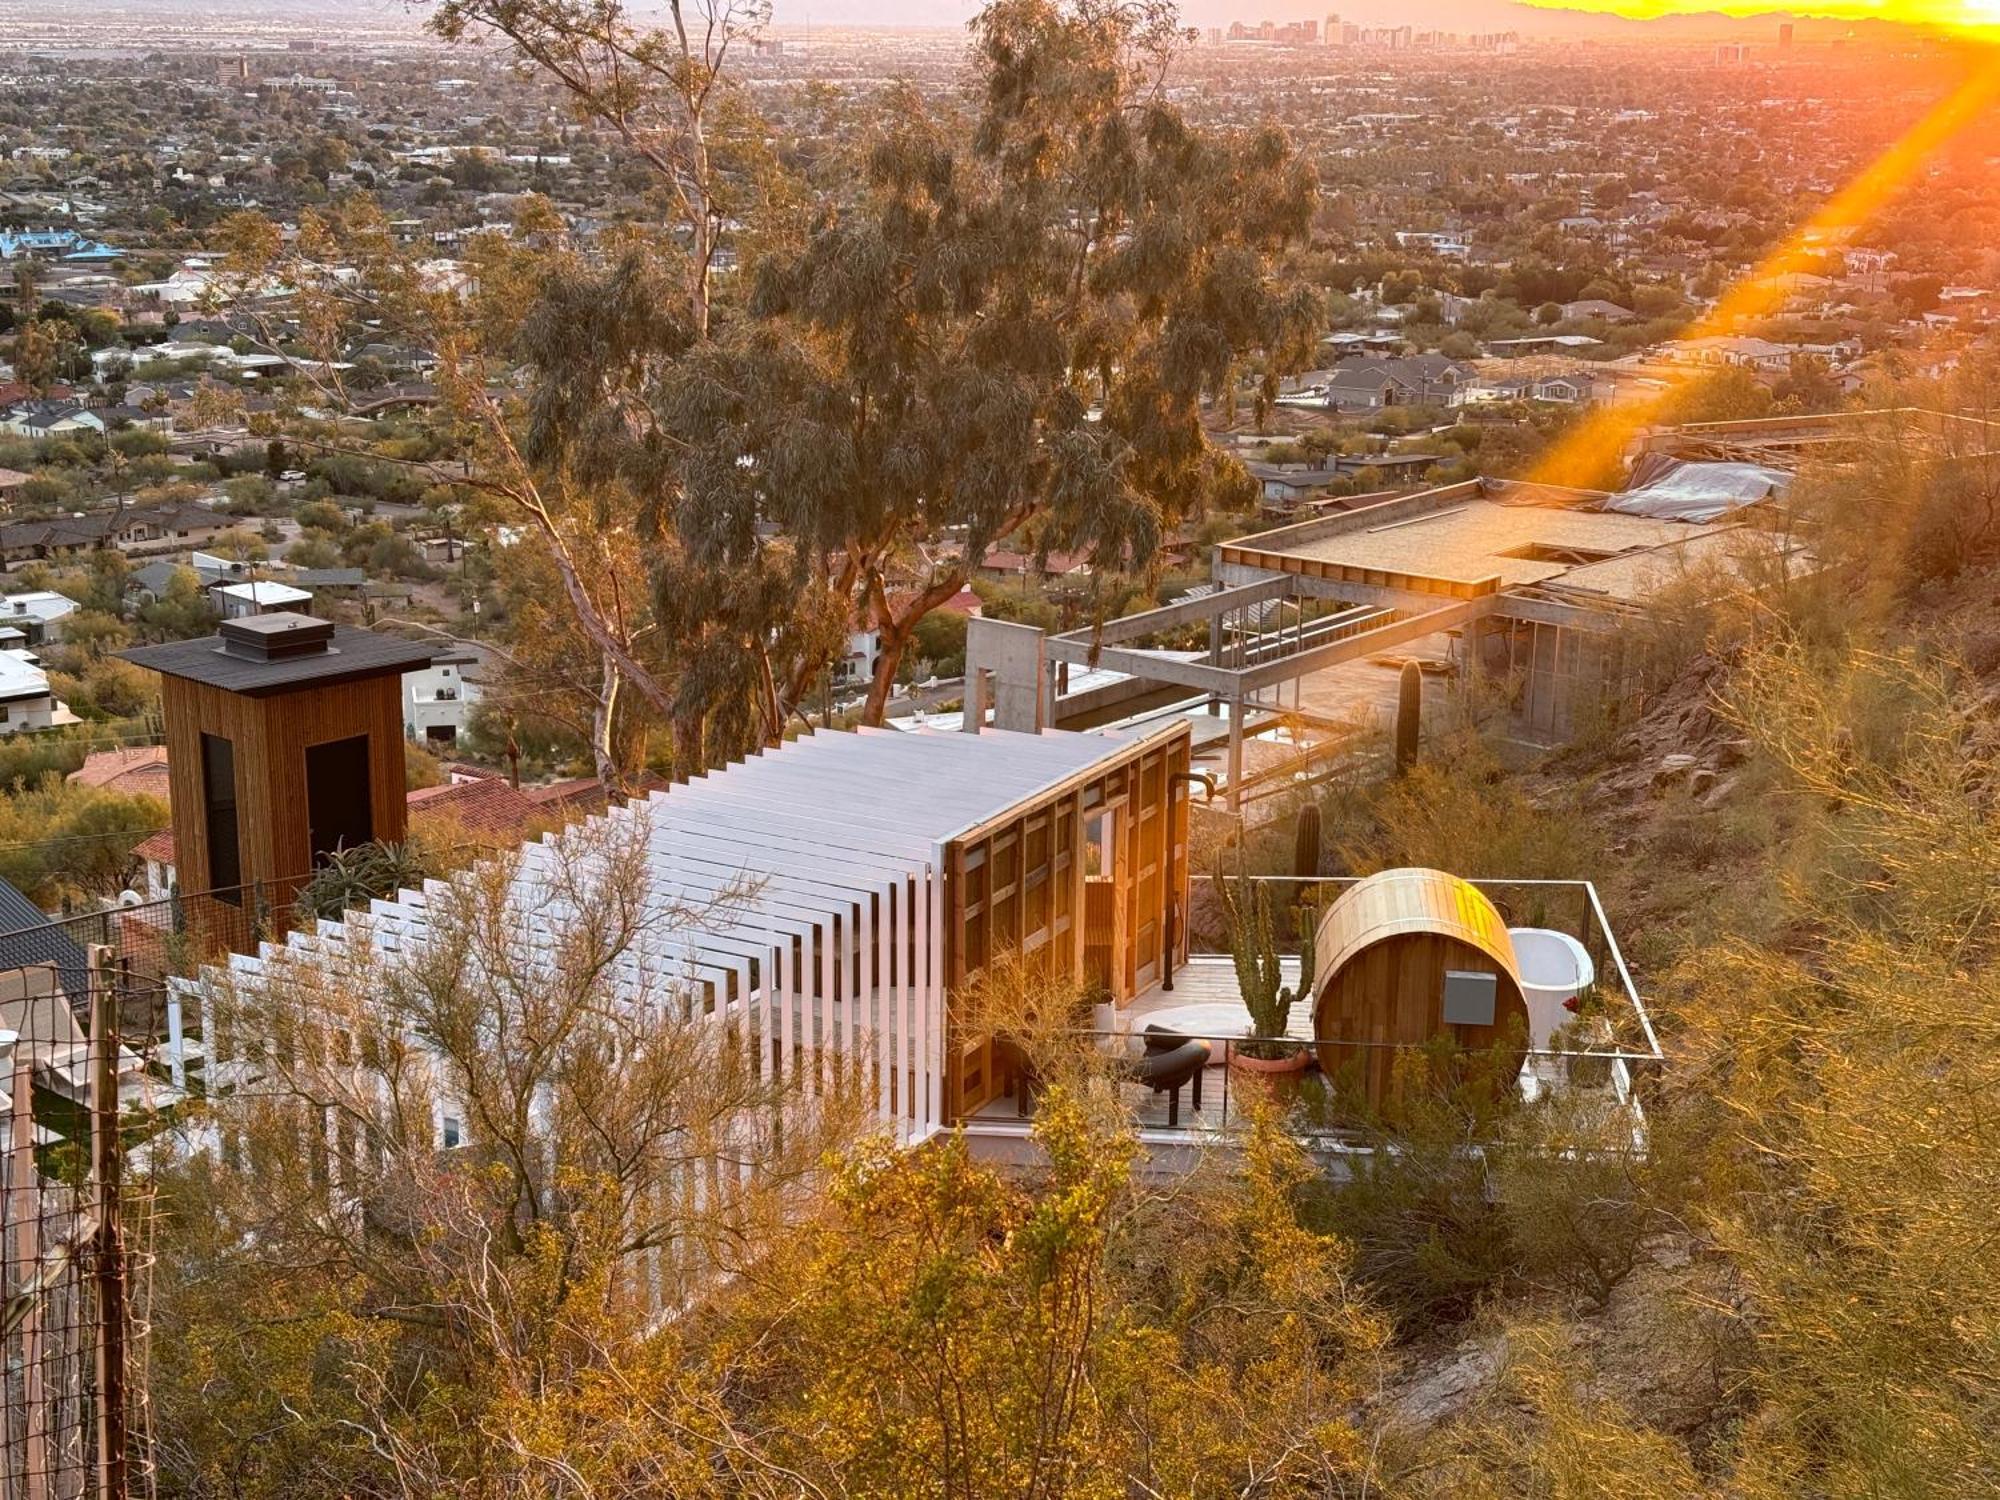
(28, 937)
(350, 655)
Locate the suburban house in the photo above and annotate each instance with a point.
(438, 698)
(237, 601)
(53, 244)
(1543, 343)
(856, 666)
(26, 701)
(1284, 487)
(1596, 307)
(47, 419)
(1356, 388)
(35, 617)
(1576, 387)
(1367, 383)
(12, 483)
(1761, 355)
(128, 528)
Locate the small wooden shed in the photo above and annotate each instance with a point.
(1403, 956)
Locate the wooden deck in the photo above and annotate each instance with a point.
(1206, 1002)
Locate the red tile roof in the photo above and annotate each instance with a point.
(489, 805)
(585, 794)
(158, 847)
(132, 769)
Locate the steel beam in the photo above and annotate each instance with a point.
(1186, 611)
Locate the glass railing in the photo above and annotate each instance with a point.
(1177, 1082)
(1571, 907)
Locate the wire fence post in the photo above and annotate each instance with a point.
(109, 1257)
(24, 1222)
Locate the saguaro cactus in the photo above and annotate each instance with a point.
(1305, 843)
(1409, 715)
(1259, 977)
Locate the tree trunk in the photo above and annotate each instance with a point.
(895, 632)
(694, 180)
(688, 757)
(603, 730)
(883, 684)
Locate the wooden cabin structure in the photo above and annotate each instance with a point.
(1404, 956)
(1088, 877)
(284, 742)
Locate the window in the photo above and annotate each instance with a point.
(218, 791)
(1097, 846)
(451, 1132)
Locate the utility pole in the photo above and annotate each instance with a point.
(110, 1251)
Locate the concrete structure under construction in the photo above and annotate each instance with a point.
(1523, 583)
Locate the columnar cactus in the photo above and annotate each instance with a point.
(1409, 715)
(1253, 945)
(1305, 843)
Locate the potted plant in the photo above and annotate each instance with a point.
(1579, 1038)
(1267, 1050)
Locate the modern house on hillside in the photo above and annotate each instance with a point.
(821, 912)
(878, 872)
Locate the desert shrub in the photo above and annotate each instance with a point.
(1417, 1207)
(58, 839)
(1579, 1192)
(1458, 810)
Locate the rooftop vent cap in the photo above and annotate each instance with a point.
(279, 636)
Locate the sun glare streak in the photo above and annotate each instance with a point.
(1588, 453)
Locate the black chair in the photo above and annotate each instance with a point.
(1171, 1063)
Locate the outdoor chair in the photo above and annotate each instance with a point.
(1171, 1063)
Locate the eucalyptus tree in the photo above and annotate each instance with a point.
(1010, 333)
(1002, 326)
(662, 90)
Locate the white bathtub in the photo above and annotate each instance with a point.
(1555, 967)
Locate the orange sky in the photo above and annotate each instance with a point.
(1979, 17)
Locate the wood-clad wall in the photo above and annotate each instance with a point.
(270, 736)
(1392, 991)
(1018, 886)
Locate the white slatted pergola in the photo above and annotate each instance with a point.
(797, 896)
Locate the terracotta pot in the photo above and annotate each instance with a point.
(1278, 1074)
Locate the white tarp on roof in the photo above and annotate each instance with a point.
(1672, 490)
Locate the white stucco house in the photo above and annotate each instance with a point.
(438, 699)
(37, 615)
(26, 701)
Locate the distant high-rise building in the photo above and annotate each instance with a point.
(1331, 34)
(1785, 35)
